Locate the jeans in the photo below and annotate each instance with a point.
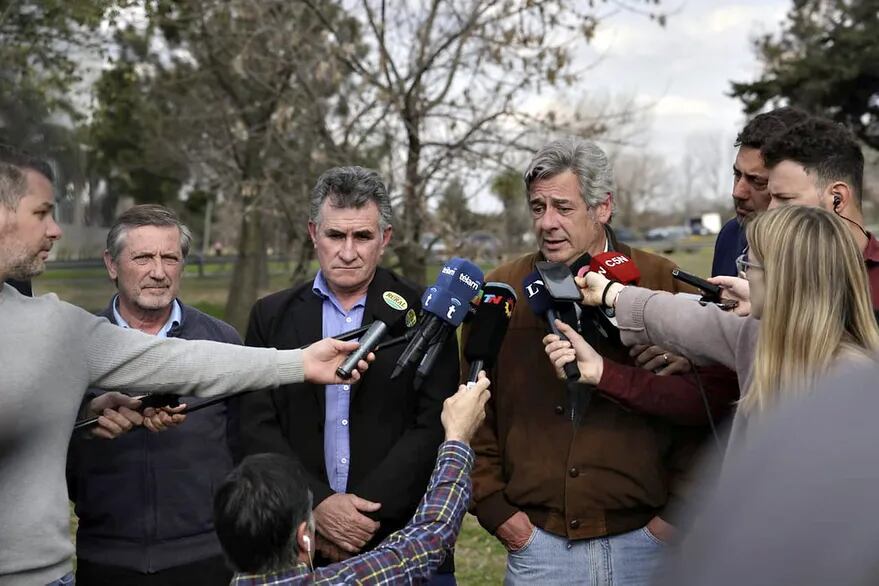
(66, 580)
(628, 559)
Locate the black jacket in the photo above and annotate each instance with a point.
(394, 430)
(145, 500)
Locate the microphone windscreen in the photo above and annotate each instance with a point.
(392, 310)
(461, 277)
(536, 294)
(448, 273)
(490, 323)
(616, 267)
(468, 282)
(444, 305)
(580, 262)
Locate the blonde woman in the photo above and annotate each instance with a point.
(810, 312)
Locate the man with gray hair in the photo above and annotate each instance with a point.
(574, 505)
(131, 529)
(367, 450)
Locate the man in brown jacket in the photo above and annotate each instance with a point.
(573, 506)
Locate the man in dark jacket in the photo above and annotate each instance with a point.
(750, 184)
(367, 449)
(144, 499)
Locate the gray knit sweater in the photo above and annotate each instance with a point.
(706, 335)
(50, 353)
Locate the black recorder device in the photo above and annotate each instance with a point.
(710, 291)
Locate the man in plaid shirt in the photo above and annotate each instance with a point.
(263, 514)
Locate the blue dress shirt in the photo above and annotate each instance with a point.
(337, 447)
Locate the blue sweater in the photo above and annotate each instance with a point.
(727, 248)
(144, 500)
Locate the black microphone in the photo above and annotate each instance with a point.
(445, 305)
(388, 315)
(488, 327)
(430, 356)
(542, 304)
(369, 340)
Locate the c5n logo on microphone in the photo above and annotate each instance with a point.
(616, 261)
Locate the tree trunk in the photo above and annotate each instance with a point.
(250, 270)
(303, 263)
(413, 260)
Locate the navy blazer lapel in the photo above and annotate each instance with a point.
(304, 325)
(374, 296)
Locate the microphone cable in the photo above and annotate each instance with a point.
(707, 406)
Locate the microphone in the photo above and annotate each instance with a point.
(542, 304)
(488, 327)
(387, 316)
(616, 266)
(444, 306)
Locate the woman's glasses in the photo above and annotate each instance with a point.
(743, 265)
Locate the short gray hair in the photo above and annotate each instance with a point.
(583, 158)
(351, 187)
(145, 215)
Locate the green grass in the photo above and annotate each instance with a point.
(698, 262)
(480, 559)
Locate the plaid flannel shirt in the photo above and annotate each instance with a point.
(410, 555)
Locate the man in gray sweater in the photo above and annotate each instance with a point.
(51, 352)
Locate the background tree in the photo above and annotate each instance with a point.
(509, 187)
(643, 182)
(825, 60)
(448, 80)
(233, 99)
(42, 46)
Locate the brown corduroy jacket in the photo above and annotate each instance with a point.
(611, 476)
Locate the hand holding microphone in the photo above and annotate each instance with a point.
(572, 349)
(605, 277)
(321, 360)
(735, 289)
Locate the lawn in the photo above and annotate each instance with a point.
(480, 559)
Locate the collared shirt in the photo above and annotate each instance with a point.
(337, 448)
(409, 555)
(871, 260)
(174, 319)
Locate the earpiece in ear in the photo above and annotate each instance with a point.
(307, 541)
(836, 200)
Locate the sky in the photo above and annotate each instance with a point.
(685, 68)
